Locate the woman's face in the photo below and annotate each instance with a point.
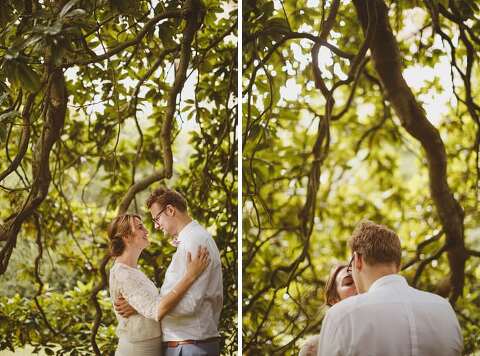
(139, 239)
(345, 285)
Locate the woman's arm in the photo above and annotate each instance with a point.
(136, 298)
(195, 268)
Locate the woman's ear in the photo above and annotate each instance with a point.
(127, 239)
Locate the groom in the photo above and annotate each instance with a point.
(388, 317)
(191, 328)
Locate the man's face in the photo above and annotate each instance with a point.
(357, 270)
(164, 218)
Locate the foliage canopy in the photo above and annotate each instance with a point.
(99, 102)
(357, 110)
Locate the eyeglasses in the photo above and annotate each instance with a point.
(155, 219)
(350, 264)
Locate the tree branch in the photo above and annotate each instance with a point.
(420, 248)
(148, 26)
(473, 253)
(24, 138)
(194, 21)
(387, 61)
(138, 187)
(54, 121)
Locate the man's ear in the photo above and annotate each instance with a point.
(358, 262)
(171, 210)
(397, 267)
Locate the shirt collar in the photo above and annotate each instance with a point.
(387, 280)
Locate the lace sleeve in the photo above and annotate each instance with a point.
(139, 291)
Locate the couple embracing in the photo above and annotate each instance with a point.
(182, 317)
(374, 312)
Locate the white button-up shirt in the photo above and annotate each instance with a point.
(391, 319)
(197, 314)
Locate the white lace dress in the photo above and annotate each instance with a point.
(140, 334)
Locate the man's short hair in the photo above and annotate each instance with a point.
(164, 196)
(376, 243)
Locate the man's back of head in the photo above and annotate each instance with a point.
(376, 252)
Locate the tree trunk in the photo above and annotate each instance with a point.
(387, 62)
(56, 99)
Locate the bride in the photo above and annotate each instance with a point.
(141, 334)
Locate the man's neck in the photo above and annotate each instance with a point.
(183, 221)
(377, 272)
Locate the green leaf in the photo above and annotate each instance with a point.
(444, 3)
(29, 42)
(3, 97)
(67, 8)
(280, 279)
(5, 13)
(28, 77)
(123, 6)
(276, 23)
(55, 29)
(76, 13)
(9, 115)
(9, 70)
(58, 53)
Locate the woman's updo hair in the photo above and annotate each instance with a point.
(120, 227)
